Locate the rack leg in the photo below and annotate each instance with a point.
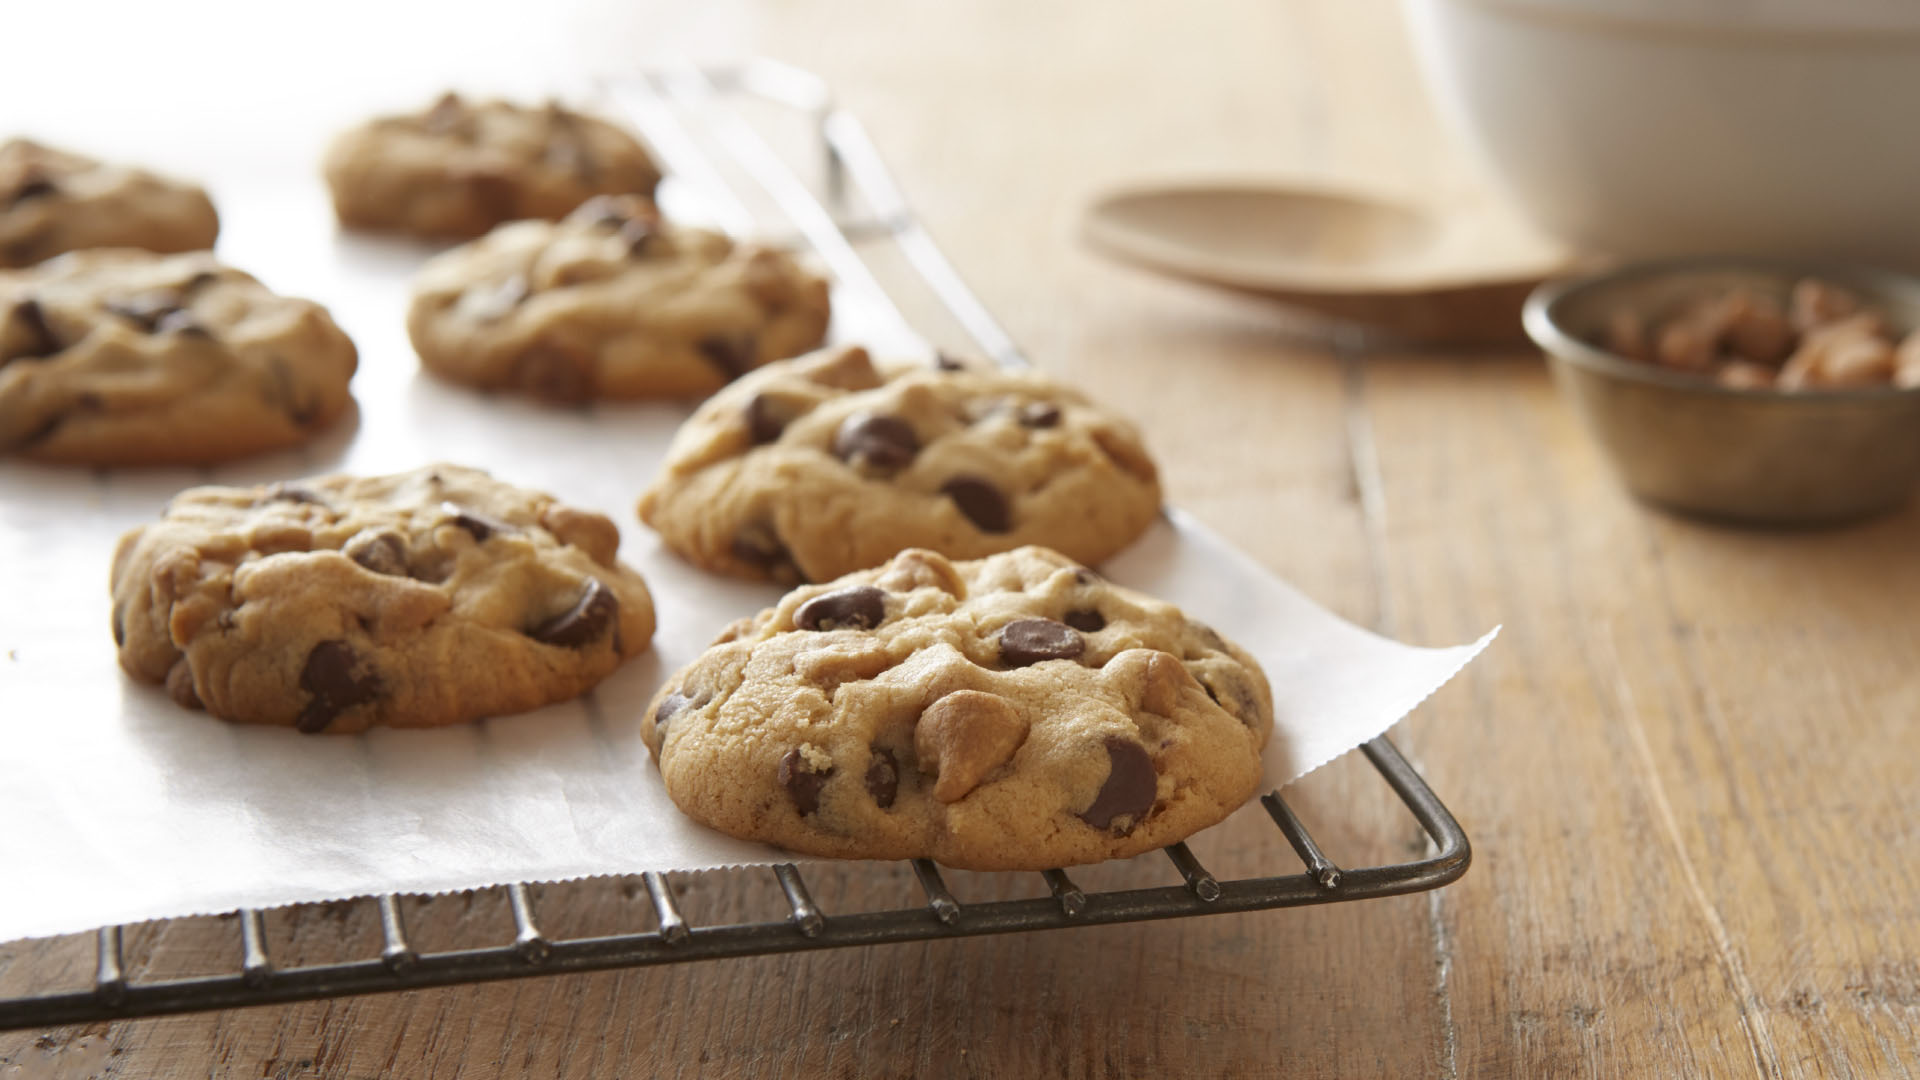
(395, 953)
(673, 928)
(256, 967)
(945, 907)
(109, 976)
(1072, 900)
(527, 938)
(806, 917)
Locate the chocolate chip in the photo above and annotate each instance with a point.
(856, 607)
(1086, 620)
(477, 525)
(292, 493)
(883, 778)
(1029, 641)
(380, 552)
(670, 706)
(946, 361)
(802, 783)
(37, 185)
(1039, 414)
(181, 321)
(875, 440)
(30, 317)
(767, 417)
(1129, 791)
(284, 392)
(489, 304)
(981, 502)
(146, 309)
(733, 355)
(585, 622)
(336, 686)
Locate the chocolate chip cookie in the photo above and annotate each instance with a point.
(1016, 712)
(830, 463)
(460, 167)
(334, 604)
(120, 357)
(52, 201)
(611, 303)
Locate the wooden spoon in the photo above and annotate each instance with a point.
(1456, 278)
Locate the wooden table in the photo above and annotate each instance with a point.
(1687, 766)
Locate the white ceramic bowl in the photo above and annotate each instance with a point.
(1662, 127)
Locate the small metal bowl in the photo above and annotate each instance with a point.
(1758, 456)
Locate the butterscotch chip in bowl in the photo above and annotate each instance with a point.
(335, 604)
(1012, 712)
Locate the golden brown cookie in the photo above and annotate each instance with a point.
(53, 201)
(611, 303)
(827, 464)
(459, 168)
(1016, 712)
(119, 357)
(335, 604)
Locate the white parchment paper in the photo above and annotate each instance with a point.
(118, 805)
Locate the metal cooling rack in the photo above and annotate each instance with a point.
(851, 168)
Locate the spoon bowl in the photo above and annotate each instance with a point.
(1390, 264)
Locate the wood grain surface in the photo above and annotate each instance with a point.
(1688, 765)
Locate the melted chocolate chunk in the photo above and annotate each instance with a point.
(29, 316)
(759, 545)
(290, 493)
(670, 706)
(1086, 620)
(1029, 641)
(876, 440)
(981, 502)
(585, 622)
(733, 355)
(380, 552)
(330, 677)
(1040, 414)
(478, 525)
(883, 778)
(1129, 791)
(856, 607)
(802, 783)
(146, 309)
(767, 417)
(37, 185)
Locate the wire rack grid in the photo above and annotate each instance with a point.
(834, 230)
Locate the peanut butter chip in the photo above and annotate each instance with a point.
(964, 736)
